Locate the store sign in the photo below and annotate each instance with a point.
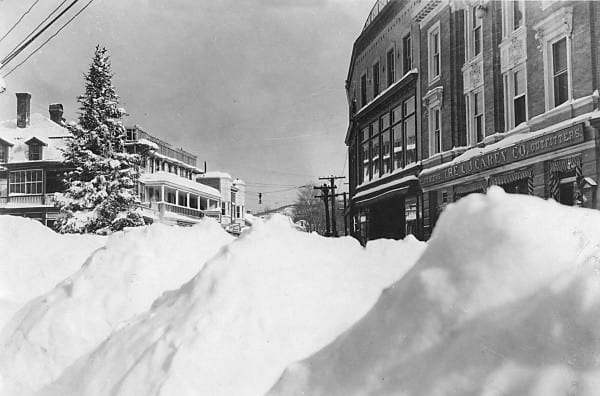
(516, 152)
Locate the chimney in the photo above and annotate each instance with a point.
(23, 109)
(56, 113)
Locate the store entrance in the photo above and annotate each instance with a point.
(516, 187)
(566, 191)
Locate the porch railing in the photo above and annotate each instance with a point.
(33, 200)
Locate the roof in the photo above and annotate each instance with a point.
(42, 129)
(181, 182)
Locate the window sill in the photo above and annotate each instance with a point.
(435, 80)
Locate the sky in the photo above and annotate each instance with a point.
(253, 87)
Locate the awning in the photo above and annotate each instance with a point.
(469, 188)
(511, 176)
(566, 164)
(396, 192)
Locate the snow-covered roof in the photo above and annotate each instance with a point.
(148, 143)
(180, 182)
(42, 129)
(216, 175)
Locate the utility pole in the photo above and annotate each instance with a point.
(332, 186)
(325, 196)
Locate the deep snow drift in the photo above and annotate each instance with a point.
(115, 283)
(34, 259)
(274, 296)
(504, 301)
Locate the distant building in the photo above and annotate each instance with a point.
(450, 97)
(232, 193)
(31, 163)
(168, 188)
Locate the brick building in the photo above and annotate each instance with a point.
(506, 94)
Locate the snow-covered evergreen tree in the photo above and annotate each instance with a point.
(101, 185)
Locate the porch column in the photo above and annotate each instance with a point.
(187, 202)
(198, 202)
(162, 193)
(177, 197)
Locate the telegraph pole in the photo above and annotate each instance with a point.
(325, 196)
(332, 187)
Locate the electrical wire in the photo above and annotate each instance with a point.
(37, 27)
(11, 56)
(19, 20)
(50, 38)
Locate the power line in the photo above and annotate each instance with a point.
(37, 27)
(51, 37)
(28, 42)
(19, 20)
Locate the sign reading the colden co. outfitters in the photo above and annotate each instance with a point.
(516, 152)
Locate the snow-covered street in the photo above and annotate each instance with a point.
(502, 306)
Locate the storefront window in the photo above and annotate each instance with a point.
(410, 212)
(397, 133)
(375, 156)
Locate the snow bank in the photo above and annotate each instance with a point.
(34, 259)
(272, 297)
(115, 283)
(504, 301)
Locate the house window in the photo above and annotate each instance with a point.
(131, 134)
(3, 153)
(407, 54)
(435, 130)
(26, 182)
(375, 79)
(513, 16)
(391, 70)
(560, 71)
(363, 90)
(35, 152)
(223, 208)
(434, 53)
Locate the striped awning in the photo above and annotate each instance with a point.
(469, 188)
(510, 177)
(566, 164)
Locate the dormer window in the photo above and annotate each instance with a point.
(35, 149)
(4, 145)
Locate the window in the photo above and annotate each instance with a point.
(391, 70)
(26, 182)
(375, 154)
(35, 152)
(478, 127)
(223, 208)
(3, 153)
(363, 90)
(515, 92)
(131, 134)
(435, 130)
(560, 72)
(375, 79)
(403, 134)
(386, 164)
(407, 55)
(475, 33)
(434, 53)
(409, 127)
(513, 16)
(365, 155)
